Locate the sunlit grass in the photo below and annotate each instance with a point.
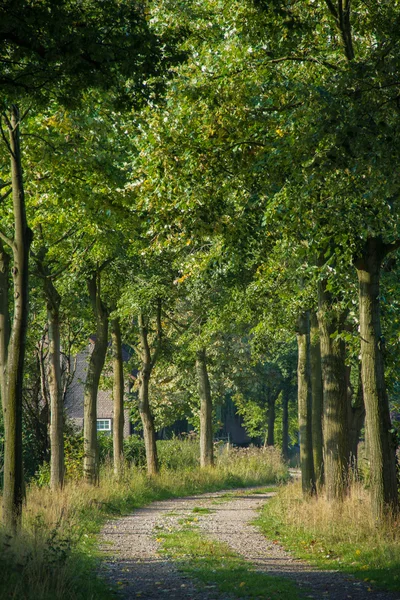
(212, 562)
(340, 535)
(54, 556)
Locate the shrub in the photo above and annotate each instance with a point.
(179, 453)
(134, 450)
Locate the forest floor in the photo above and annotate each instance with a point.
(149, 555)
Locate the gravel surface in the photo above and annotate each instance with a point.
(135, 567)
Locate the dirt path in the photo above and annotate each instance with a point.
(140, 572)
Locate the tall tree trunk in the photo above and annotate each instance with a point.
(118, 395)
(95, 367)
(285, 422)
(4, 316)
(56, 397)
(146, 415)
(271, 419)
(304, 401)
(206, 431)
(356, 421)
(336, 433)
(53, 379)
(317, 400)
(13, 492)
(381, 443)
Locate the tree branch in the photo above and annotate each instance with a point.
(4, 196)
(7, 240)
(159, 334)
(387, 248)
(325, 63)
(3, 135)
(332, 8)
(35, 135)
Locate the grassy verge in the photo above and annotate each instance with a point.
(342, 536)
(55, 555)
(214, 563)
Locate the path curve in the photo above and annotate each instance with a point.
(139, 571)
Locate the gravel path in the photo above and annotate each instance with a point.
(140, 572)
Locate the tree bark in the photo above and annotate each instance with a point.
(118, 395)
(336, 433)
(356, 419)
(53, 301)
(13, 492)
(56, 398)
(146, 415)
(4, 316)
(206, 431)
(304, 401)
(95, 367)
(380, 440)
(271, 421)
(317, 401)
(285, 423)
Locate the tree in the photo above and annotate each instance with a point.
(305, 405)
(118, 394)
(317, 400)
(63, 60)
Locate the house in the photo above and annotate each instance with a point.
(231, 423)
(75, 393)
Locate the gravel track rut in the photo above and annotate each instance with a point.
(133, 564)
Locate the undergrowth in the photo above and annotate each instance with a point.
(55, 555)
(339, 535)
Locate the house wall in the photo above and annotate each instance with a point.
(75, 396)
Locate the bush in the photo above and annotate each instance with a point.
(134, 450)
(179, 453)
(105, 445)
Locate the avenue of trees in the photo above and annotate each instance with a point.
(215, 185)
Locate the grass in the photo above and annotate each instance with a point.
(341, 535)
(202, 510)
(55, 555)
(215, 564)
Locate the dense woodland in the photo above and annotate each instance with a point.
(215, 185)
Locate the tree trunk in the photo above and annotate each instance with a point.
(356, 421)
(149, 433)
(4, 316)
(271, 419)
(56, 399)
(206, 431)
(53, 379)
(317, 401)
(336, 433)
(13, 492)
(118, 395)
(304, 400)
(95, 367)
(380, 440)
(285, 422)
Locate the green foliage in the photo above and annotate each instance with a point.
(134, 450)
(178, 454)
(46, 48)
(73, 455)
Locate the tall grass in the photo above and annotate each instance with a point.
(55, 554)
(341, 535)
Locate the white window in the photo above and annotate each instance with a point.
(103, 424)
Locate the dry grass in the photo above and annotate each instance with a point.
(350, 520)
(344, 533)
